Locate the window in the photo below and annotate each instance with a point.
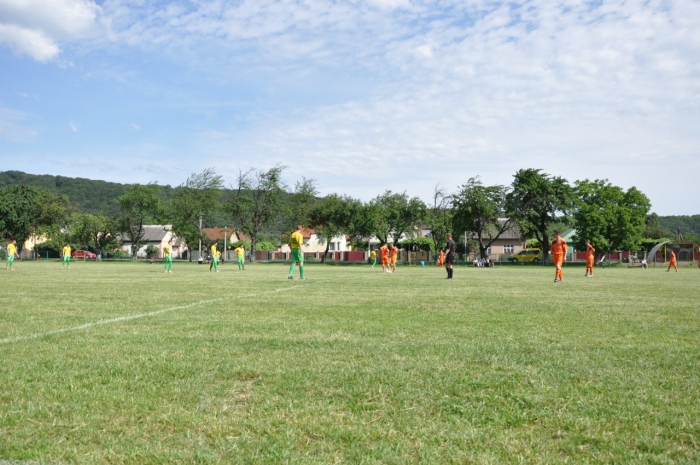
(508, 248)
(332, 246)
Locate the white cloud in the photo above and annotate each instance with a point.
(389, 4)
(451, 88)
(135, 127)
(13, 128)
(74, 126)
(33, 43)
(35, 27)
(580, 90)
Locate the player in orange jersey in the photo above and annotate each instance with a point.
(673, 262)
(558, 251)
(384, 255)
(590, 258)
(441, 259)
(394, 256)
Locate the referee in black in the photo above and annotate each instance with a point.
(449, 255)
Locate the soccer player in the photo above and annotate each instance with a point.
(66, 256)
(11, 251)
(673, 262)
(296, 240)
(214, 259)
(240, 253)
(558, 252)
(394, 255)
(450, 256)
(384, 256)
(373, 258)
(168, 256)
(441, 259)
(590, 258)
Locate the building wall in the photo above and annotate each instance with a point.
(141, 253)
(313, 245)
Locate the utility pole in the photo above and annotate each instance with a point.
(200, 236)
(225, 242)
(465, 246)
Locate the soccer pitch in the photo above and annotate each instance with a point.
(121, 363)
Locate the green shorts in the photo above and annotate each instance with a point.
(66, 259)
(10, 258)
(240, 259)
(168, 259)
(374, 261)
(297, 256)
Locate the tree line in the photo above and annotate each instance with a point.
(259, 204)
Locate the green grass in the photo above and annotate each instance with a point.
(352, 366)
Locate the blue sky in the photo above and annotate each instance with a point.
(361, 95)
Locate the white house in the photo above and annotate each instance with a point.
(313, 244)
(158, 236)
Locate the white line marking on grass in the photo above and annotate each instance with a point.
(11, 340)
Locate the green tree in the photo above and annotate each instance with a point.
(610, 217)
(255, 201)
(534, 201)
(653, 228)
(94, 232)
(139, 205)
(332, 217)
(193, 203)
(25, 209)
(394, 214)
(439, 217)
(364, 223)
(301, 203)
(479, 209)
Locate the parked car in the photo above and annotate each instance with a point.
(84, 254)
(526, 256)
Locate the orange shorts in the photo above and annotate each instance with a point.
(558, 259)
(589, 262)
(385, 260)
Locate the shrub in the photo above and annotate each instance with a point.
(246, 244)
(265, 246)
(151, 251)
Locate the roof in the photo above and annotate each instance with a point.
(306, 233)
(216, 234)
(153, 233)
(242, 236)
(569, 234)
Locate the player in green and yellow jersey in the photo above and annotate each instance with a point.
(373, 258)
(296, 240)
(214, 259)
(66, 256)
(168, 256)
(240, 253)
(11, 251)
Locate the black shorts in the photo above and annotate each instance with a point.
(450, 259)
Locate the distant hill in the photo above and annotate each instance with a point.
(689, 225)
(87, 195)
(90, 196)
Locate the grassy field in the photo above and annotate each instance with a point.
(120, 363)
